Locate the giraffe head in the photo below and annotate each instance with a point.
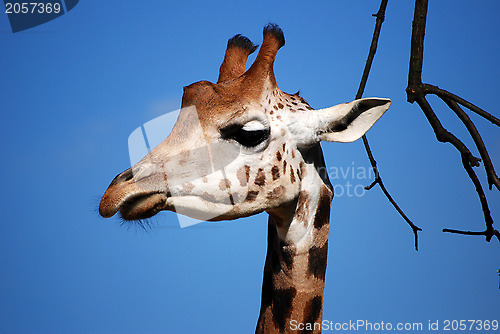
(239, 146)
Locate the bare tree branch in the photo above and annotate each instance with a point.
(378, 180)
(430, 89)
(417, 91)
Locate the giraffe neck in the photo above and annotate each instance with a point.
(294, 272)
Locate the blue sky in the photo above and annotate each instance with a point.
(74, 89)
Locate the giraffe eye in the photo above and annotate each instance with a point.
(248, 135)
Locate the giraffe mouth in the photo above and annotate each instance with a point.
(142, 206)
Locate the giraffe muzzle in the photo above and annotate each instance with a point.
(133, 202)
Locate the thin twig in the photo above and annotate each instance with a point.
(373, 47)
(444, 135)
(449, 230)
(430, 89)
(489, 232)
(378, 180)
(474, 133)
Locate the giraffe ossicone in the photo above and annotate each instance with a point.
(239, 147)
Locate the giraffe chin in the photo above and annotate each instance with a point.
(143, 206)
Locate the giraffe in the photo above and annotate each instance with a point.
(242, 146)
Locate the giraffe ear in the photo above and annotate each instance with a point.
(349, 121)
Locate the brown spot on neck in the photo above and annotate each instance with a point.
(278, 156)
(317, 261)
(243, 175)
(302, 211)
(251, 195)
(275, 171)
(292, 175)
(322, 215)
(288, 252)
(224, 184)
(303, 170)
(188, 187)
(277, 192)
(260, 178)
(312, 314)
(282, 306)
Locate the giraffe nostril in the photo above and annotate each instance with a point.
(123, 177)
